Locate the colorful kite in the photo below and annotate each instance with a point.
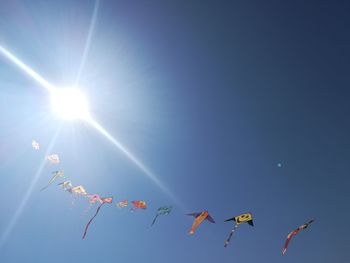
(35, 145)
(67, 186)
(78, 190)
(243, 218)
(293, 233)
(122, 204)
(106, 200)
(164, 210)
(93, 199)
(53, 158)
(55, 175)
(199, 218)
(138, 205)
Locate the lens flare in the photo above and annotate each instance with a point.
(44, 83)
(68, 100)
(70, 104)
(135, 160)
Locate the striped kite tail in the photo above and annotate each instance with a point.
(229, 237)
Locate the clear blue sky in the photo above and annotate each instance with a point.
(211, 97)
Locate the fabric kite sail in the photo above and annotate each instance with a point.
(163, 210)
(53, 158)
(79, 190)
(122, 204)
(93, 199)
(199, 218)
(106, 200)
(67, 186)
(293, 233)
(138, 205)
(55, 175)
(35, 145)
(243, 218)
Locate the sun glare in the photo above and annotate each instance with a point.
(70, 104)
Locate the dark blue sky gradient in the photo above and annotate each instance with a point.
(211, 97)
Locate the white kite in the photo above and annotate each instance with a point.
(35, 145)
(53, 158)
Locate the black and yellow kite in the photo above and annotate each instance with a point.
(240, 219)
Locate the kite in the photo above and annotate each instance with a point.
(35, 145)
(122, 204)
(78, 190)
(199, 218)
(138, 205)
(93, 199)
(106, 200)
(243, 218)
(293, 233)
(163, 210)
(55, 175)
(53, 158)
(67, 186)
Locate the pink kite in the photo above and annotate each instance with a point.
(93, 199)
(106, 200)
(293, 233)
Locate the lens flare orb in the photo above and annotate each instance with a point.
(70, 104)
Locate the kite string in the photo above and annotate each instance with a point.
(229, 237)
(154, 220)
(42, 189)
(49, 183)
(88, 224)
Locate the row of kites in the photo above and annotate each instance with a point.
(200, 217)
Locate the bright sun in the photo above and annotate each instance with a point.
(70, 104)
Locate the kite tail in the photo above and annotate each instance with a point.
(50, 182)
(42, 189)
(88, 224)
(229, 237)
(284, 250)
(154, 220)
